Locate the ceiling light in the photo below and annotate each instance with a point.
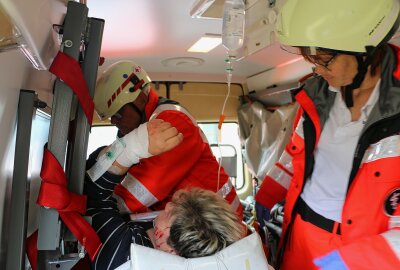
(206, 44)
(182, 62)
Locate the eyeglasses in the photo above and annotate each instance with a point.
(322, 60)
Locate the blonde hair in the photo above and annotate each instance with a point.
(203, 223)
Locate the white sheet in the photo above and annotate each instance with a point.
(246, 253)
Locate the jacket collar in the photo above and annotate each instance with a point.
(151, 104)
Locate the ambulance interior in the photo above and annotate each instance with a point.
(257, 105)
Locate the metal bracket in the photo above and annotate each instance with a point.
(271, 3)
(65, 263)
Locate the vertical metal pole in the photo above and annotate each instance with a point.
(20, 185)
(82, 128)
(49, 227)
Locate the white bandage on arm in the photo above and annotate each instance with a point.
(136, 146)
(105, 160)
(126, 151)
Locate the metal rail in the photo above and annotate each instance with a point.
(20, 184)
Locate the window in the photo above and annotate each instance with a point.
(229, 146)
(100, 136)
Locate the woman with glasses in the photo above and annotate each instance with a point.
(340, 174)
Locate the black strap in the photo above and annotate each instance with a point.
(359, 78)
(309, 215)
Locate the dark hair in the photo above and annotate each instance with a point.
(377, 58)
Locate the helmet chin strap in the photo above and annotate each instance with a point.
(142, 117)
(138, 85)
(141, 113)
(360, 76)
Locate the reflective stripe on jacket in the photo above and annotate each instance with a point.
(152, 182)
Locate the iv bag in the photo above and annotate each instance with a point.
(233, 24)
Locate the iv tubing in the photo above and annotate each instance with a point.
(222, 116)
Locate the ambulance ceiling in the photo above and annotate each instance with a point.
(153, 31)
(157, 34)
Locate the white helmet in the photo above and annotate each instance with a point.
(117, 86)
(340, 25)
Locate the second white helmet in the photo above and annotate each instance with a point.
(341, 25)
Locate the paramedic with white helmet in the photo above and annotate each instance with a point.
(123, 95)
(339, 175)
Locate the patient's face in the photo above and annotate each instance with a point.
(162, 225)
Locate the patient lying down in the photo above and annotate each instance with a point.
(195, 223)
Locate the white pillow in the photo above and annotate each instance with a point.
(246, 253)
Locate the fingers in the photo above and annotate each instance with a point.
(167, 131)
(173, 141)
(161, 142)
(155, 122)
(157, 125)
(162, 136)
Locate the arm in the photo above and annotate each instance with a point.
(115, 232)
(380, 251)
(376, 252)
(276, 183)
(160, 174)
(274, 186)
(151, 138)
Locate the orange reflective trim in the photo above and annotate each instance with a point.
(308, 106)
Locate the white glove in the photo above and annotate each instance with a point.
(136, 146)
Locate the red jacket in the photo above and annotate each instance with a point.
(153, 181)
(370, 226)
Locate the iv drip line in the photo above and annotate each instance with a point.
(229, 70)
(233, 23)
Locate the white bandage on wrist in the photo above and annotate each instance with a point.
(137, 145)
(105, 161)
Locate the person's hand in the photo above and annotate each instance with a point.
(149, 139)
(162, 136)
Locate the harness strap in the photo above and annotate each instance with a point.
(69, 71)
(54, 194)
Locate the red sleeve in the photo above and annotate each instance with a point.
(163, 172)
(375, 252)
(271, 191)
